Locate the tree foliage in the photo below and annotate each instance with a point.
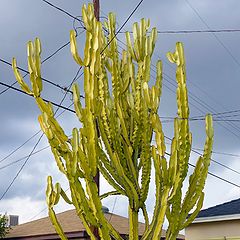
(119, 117)
(3, 226)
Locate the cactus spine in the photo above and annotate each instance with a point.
(118, 125)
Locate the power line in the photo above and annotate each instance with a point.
(46, 100)
(62, 10)
(44, 79)
(26, 161)
(21, 168)
(15, 150)
(200, 102)
(59, 105)
(211, 159)
(209, 108)
(45, 60)
(170, 119)
(21, 159)
(221, 153)
(77, 19)
(114, 205)
(194, 31)
(125, 22)
(110, 40)
(216, 162)
(19, 147)
(119, 31)
(218, 177)
(212, 174)
(221, 113)
(44, 209)
(195, 99)
(161, 32)
(213, 33)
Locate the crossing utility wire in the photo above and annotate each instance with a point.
(195, 31)
(161, 32)
(21, 159)
(115, 34)
(14, 179)
(225, 48)
(195, 98)
(212, 174)
(45, 60)
(46, 100)
(220, 178)
(27, 72)
(213, 33)
(23, 144)
(62, 10)
(194, 150)
(203, 104)
(38, 141)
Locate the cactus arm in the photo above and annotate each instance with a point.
(52, 199)
(197, 180)
(19, 78)
(112, 180)
(56, 224)
(133, 223)
(107, 194)
(146, 218)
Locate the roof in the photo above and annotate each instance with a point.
(228, 208)
(70, 223)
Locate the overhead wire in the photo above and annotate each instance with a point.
(212, 174)
(216, 162)
(21, 168)
(22, 158)
(27, 72)
(44, 60)
(45, 100)
(134, 10)
(14, 179)
(221, 43)
(209, 172)
(195, 99)
(195, 31)
(209, 30)
(75, 18)
(36, 144)
(213, 33)
(19, 147)
(223, 165)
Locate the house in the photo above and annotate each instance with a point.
(42, 229)
(215, 223)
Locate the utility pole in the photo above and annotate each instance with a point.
(96, 5)
(96, 8)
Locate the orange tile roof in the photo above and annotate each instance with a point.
(70, 224)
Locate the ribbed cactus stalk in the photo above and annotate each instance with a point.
(118, 127)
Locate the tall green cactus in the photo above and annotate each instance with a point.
(118, 127)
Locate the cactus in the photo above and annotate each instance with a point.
(118, 127)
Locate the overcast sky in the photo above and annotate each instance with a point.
(213, 70)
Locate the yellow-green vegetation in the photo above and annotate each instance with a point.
(118, 127)
(4, 229)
